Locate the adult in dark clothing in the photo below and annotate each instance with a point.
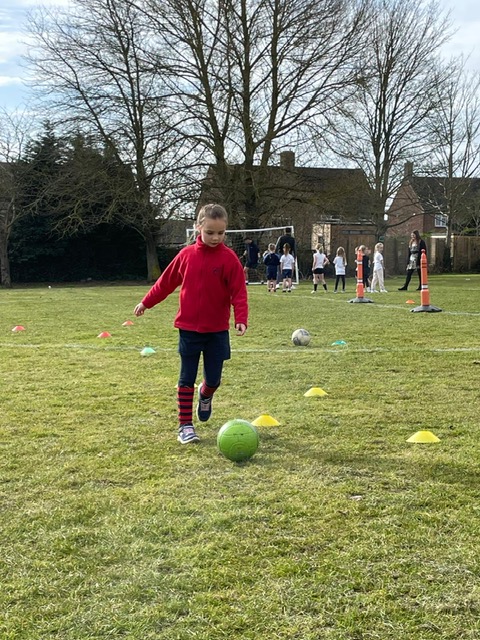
(252, 255)
(287, 238)
(415, 248)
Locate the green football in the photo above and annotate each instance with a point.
(237, 440)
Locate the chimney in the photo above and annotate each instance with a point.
(408, 170)
(287, 160)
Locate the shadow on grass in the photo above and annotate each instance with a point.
(396, 466)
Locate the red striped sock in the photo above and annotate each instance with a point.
(185, 404)
(206, 391)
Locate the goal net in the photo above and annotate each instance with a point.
(235, 239)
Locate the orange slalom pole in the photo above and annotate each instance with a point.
(425, 294)
(360, 290)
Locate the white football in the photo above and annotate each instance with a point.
(300, 337)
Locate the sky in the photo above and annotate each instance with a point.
(14, 93)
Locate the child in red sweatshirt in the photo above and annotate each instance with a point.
(212, 281)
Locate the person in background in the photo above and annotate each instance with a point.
(365, 251)
(378, 270)
(252, 255)
(272, 262)
(340, 264)
(212, 281)
(287, 238)
(320, 260)
(415, 248)
(287, 265)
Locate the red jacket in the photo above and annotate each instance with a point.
(212, 280)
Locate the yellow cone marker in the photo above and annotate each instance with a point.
(423, 437)
(265, 421)
(315, 391)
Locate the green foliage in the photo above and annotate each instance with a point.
(81, 217)
(337, 528)
(104, 253)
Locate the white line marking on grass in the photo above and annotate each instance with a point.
(298, 350)
(394, 306)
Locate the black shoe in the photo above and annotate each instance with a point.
(204, 407)
(418, 289)
(402, 289)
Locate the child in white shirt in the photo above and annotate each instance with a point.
(318, 266)
(340, 268)
(287, 265)
(377, 279)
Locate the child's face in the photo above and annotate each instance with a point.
(212, 231)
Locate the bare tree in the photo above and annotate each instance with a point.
(13, 137)
(246, 78)
(385, 122)
(454, 161)
(89, 60)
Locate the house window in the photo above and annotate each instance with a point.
(440, 220)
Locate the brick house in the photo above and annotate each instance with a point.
(421, 202)
(318, 202)
(416, 206)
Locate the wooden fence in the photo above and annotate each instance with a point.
(465, 254)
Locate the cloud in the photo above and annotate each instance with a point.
(9, 80)
(465, 42)
(11, 44)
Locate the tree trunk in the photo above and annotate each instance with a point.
(447, 256)
(5, 278)
(153, 266)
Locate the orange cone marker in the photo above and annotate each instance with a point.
(104, 334)
(18, 328)
(127, 323)
(360, 288)
(425, 295)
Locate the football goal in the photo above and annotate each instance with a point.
(235, 239)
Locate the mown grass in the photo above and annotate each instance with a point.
(336, 529)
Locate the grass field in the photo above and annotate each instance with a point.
(337, 528)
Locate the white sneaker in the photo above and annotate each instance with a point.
(383, 291)
(313, 291)
(374, 291)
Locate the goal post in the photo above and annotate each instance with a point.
(235, 239)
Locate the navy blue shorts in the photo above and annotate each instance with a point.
(318, 271)
(215, 348)
(287, 273)
(272, 273)
(215, 345)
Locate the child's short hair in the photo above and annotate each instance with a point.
(271, 246)
(319, 247)
(378, 246)
(213, 212)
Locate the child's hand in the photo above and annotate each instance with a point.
(240, 328)
(139, 309)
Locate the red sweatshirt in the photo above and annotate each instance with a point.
(212, 280)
